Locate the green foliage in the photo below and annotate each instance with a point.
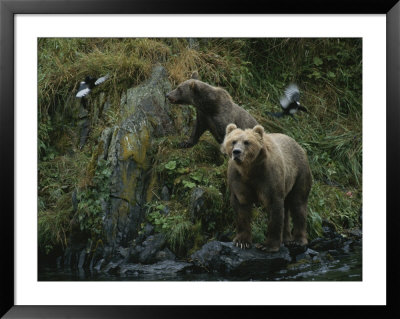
(195, 169)
(170, 166)
(176, 227)
(44, 130)
(57, 176)
(314, 224)
(337, 205)
(90, 199)
(53, 225)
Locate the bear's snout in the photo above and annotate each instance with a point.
(236, 154)
(236, 151)
(170, 98)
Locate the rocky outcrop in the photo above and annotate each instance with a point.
(145, 115)
(149, 259)
(226, 258)
(158, 271)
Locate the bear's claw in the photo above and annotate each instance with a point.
(242, 245)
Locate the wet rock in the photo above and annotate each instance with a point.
(144, 114)
(226, 258)
(113, 267)
(98, 265)
(329, 232)
(148, 230)
(75, 255)
(308, 254)
(97, 258)
(149, 251)
(324, 244)
(104, 143)
(165, 254)
(205, 206)
(82, 258)
(333, 252)
(295, 249)
(83, 126)
(197, 203)
(355, 233)
(165, 194)
(151, 246)
(312, 253)
(160, 269)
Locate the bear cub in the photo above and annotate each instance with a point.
(272, 169)
(214, 109)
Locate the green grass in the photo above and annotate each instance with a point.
(255, 72)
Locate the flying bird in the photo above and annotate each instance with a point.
(89, 84)
(290, 102)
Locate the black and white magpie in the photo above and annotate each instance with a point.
(88, 84)
(290, 102)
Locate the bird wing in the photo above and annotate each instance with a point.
(83, 92)
(101, 80)
(292, 93)
(284, 102)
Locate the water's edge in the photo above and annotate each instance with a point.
(332, 265)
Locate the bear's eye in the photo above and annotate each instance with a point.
(234, 142)
(246, 143)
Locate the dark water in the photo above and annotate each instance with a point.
(339, 267)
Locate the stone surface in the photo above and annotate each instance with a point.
(159, 270)
(145, 115)
(197, 203)
(226, 258)
(165, 193)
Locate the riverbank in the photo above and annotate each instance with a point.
(331, 257)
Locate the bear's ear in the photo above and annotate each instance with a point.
(258, 129)
(195, 75)
(230, 128)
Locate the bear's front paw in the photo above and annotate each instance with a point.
(295, 247)
(243, 241)
(271, 246)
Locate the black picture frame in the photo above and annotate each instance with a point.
(8, 10)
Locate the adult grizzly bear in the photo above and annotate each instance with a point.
(272, 169)
(214, 109)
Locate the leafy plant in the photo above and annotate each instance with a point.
(91, 198)
(176, 227)
(170, 166)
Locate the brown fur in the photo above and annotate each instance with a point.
(214, 107)
(272, 169)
